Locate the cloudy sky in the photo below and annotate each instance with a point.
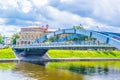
(15, 14)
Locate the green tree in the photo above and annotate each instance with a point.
(79, 27)
(14, 38)
(53, 39)
(1, 39)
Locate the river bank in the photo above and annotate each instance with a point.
(7, 53)
(83, 54)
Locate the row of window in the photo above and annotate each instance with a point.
(30, 36)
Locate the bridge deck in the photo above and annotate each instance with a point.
(63, 46)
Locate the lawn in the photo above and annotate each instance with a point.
(83, 54)
(67, 65)
(6, 53)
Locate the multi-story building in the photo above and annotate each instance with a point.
(30, 34)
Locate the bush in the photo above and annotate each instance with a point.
(6, 47)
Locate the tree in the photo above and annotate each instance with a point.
(1, 39)
(14, 38)
(51, 39)
(79, 27)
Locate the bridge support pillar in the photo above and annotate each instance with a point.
(37, 52)
(31, 53)
(24, 53)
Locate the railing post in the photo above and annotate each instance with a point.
(90, 34)
(107, 40)
(74, 31)
(64, 31)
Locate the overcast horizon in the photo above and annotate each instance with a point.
(15, 14)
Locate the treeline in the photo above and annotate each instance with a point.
(1, 39)
(13, 39)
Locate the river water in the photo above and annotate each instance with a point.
(61, 71)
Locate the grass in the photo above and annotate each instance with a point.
(85, 64)
(83, 54)
(6, 66)
(6, 53)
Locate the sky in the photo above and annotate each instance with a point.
(100, 15)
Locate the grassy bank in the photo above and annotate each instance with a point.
(6, 66)
(67, 65)
(83, 54)
(6, 53)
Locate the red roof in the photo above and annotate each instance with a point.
(35, 28)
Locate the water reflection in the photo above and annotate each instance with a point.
(62, 71)
(7, 72)
(92, 70)
(89, 70)
(6, 66)
(42, 73)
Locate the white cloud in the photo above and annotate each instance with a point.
(8, 30)
(39, 3)
(5, 4)
(63, 13)
(107, 9)
(104, 11)
(62, 17)
(65, 18)
(2, 20)
(25, 5)
(68, 1)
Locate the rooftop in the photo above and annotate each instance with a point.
(35, 28)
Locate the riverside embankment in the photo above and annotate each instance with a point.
(7, 55)
(83, 54)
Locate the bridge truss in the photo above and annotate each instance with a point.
(109, 38)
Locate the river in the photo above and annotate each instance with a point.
(109, 70)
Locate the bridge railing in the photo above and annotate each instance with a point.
(65, 44)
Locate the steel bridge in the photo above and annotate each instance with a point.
(112, 39)
(39, 47)
(109, 38)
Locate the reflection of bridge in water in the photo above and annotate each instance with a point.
(109, 41)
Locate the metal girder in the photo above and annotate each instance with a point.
(94, 34)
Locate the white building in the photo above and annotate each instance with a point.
(8, 40)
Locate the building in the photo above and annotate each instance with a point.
(7, 40)
(30, 34)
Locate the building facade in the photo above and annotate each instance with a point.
(7, 40)
(29, 35)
